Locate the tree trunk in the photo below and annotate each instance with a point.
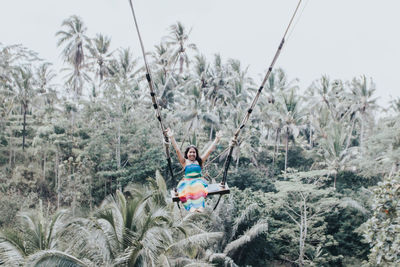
(24, 128)
(11, 152)
(286, 148)
(44, 166)
(362, 133)
(237, 162)
(303, 231)
(350, 135)
(118, 147)
(90, 194)
(276, 145)
(105, 187)
(118, 152)
(56, 171)
(334, 180)
(74, 189)
(181, 62)
(301, 243)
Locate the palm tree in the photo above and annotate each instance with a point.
(330, 94)
(292, 117)
(38, 240)
(15, 66)
(100, 56)
(24, 80)
(161, 56)
(395, 105)
(178, 38)
(44, 76)
(201, 71)
(138, 228)
(238, 233)
(277, 82)
(362, 103)
(73, 39)
(122, 92)
(334, 149)
(381, 153)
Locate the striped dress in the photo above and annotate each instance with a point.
(192, 189)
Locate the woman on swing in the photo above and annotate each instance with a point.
(192, 189)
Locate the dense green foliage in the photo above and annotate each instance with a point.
(84, 180)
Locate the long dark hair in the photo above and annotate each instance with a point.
(197, 154)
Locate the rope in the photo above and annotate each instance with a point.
(211, 161)
(247, 116)
(153, 94)
(297, 21)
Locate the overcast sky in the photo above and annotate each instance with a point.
(339, 38)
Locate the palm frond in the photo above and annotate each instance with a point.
(12, 250)
(86, 239)
(54, 258)
(244, 217)
(222, 259)
(349, 202)
(247, 237)
(201, 240)
(181, 261)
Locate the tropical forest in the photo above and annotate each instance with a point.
(85, 179)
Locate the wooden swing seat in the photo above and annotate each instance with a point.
(213, 189)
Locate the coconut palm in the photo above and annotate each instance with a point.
(124, 231)
(277, 82)
(100, 56)
(23, 78)
(219, 90)
(123, 73)
(381, 153)
(161, 57)
(334, 149)
(74, 40)
(201, 75)
(331, 94)
(201, 95)
(292, 114)
(236, 236)
(178, 39)
(138, 228)
(37, 239)
(47, 94)
(122, 92)
(395, 105)
(363, 105)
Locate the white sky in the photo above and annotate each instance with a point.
(339, 38)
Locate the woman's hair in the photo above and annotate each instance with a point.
(197, 154)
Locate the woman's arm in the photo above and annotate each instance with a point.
(206, 154)
(181, 158)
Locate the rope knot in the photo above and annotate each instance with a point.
(233, 142)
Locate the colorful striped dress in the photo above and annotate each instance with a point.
(192, 189)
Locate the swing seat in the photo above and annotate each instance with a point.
(213, 189)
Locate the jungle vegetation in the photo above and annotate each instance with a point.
(84, 182)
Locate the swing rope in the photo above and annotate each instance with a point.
(234, 140)
(153, 94)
